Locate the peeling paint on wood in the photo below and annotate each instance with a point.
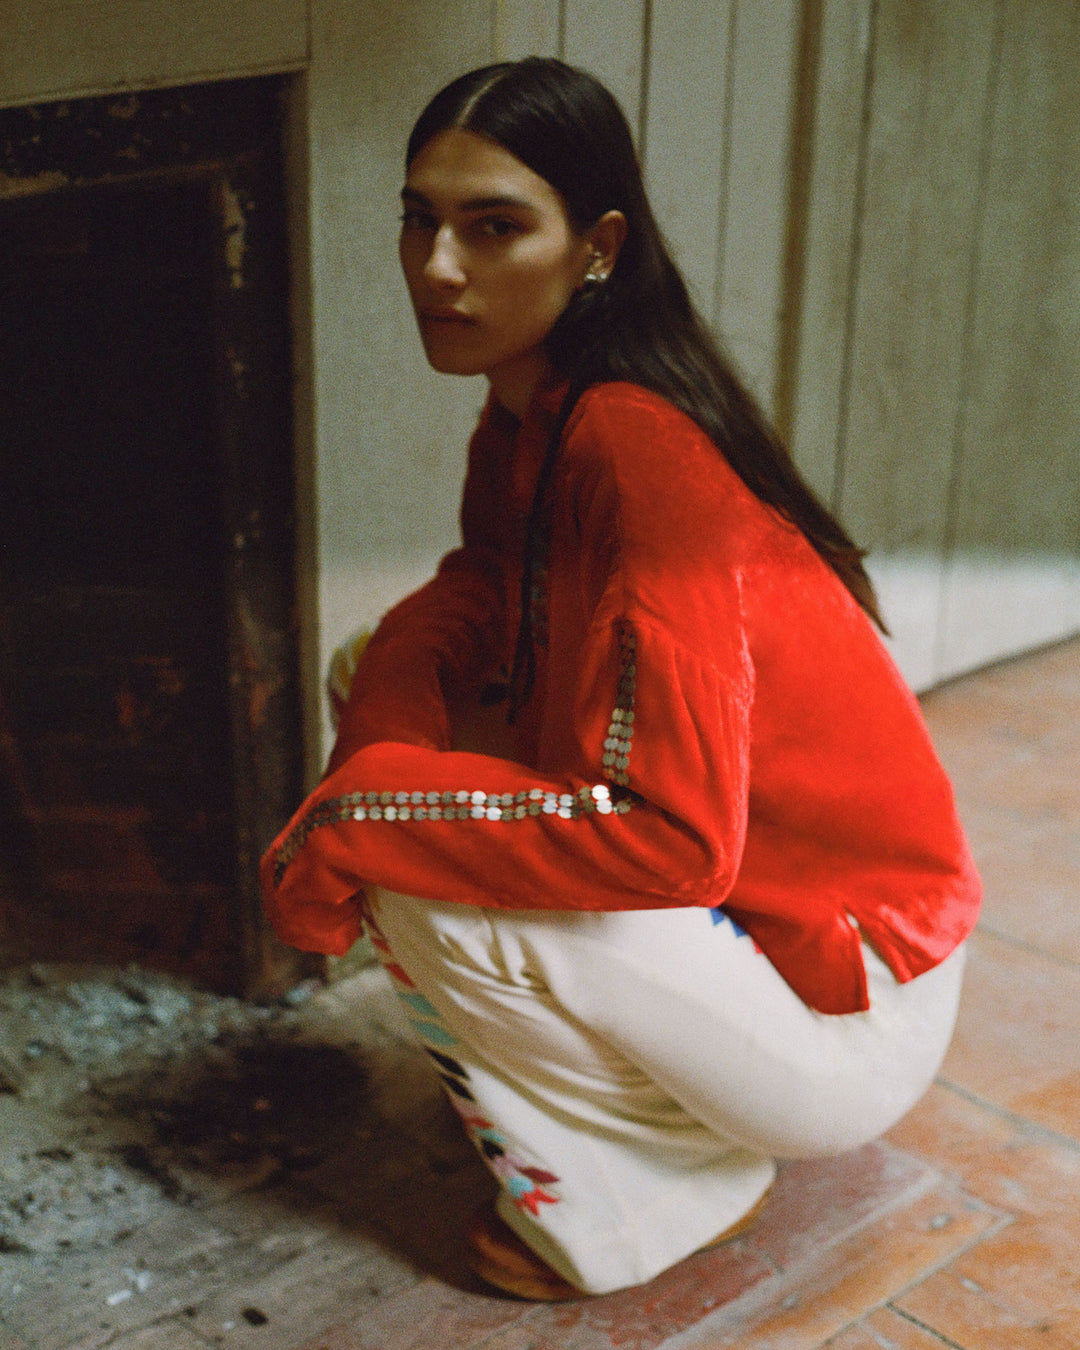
(234, 227)
(94, 139)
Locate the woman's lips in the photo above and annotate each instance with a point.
(447, 316)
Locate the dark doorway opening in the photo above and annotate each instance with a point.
(148, 689)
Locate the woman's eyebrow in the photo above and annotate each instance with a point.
(497, 202)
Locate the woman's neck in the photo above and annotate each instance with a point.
(515, 384)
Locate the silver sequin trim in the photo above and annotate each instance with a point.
(620, 735)
(466, 804)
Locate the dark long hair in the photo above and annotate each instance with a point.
(640, 325)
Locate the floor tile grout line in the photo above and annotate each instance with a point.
(763, 1293)
(1044, 1132)
(925, 1326)
(1005, 1220)
(919, 1187)
(1021, 944)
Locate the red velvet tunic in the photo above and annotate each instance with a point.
(714, 721)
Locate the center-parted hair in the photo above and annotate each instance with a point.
(640, 325)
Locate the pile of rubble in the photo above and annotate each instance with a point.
(120, 1087)
(175, 1160)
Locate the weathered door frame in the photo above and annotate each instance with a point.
(228, 136)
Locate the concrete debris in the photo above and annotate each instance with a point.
(148, 1089)
(166, 1153)
(11, 1075)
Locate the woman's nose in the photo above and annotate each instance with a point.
(444, 263)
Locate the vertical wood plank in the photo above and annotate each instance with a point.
(749, 296)
(685, 133)
(526, 28)
(607, 38)
(1014, 577)
(931, 69)
(829, 258)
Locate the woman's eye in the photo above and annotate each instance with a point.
(417, 220)
(497, 227)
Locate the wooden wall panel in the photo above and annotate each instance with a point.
(526, 28)
(686, 133)
(931, 65)
(750, 289)
(837, 93)
(916, 402)
(1014, 575)
(607, 37)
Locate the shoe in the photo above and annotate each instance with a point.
(739, 1227)
(501, 1259)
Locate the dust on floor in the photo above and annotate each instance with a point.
(126, 1096)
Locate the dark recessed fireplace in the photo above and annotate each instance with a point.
(149, 726)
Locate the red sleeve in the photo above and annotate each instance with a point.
(650, 818)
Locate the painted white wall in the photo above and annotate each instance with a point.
(934, 400)
(749, 288)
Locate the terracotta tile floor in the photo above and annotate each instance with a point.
(960, 1229)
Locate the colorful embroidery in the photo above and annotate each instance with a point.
(475, 804)
(720, 915)
(526, 1185)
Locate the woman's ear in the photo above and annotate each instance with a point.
(605, 239)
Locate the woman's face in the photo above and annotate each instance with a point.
(491, 261)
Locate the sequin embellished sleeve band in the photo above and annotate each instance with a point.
(483, 831)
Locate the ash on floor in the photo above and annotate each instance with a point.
(127, 1095)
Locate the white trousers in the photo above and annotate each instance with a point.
(630, 1077)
